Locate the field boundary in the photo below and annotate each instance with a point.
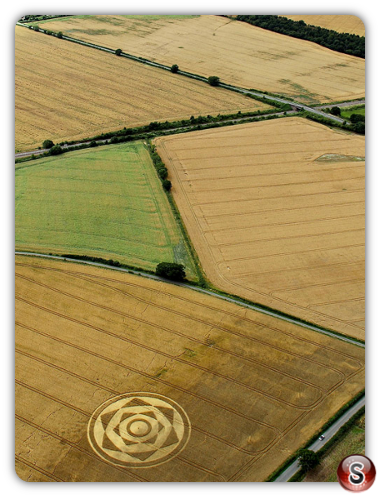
(261, 96)
(142, 230)
(323, 351)
(83, 259)
(291, 459)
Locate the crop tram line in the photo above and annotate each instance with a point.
(142, 373)
(267, 98)
(254, 455)
(158, 380)
(89, 278)
(257, 454)
(253, 93)
(279, 435)
(86, 452)
(296, 106)
(201, 368)
(255, 307)
(92, 278)
(204, 343)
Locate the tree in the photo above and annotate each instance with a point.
(359, 128)
(213, 80)
(171, 271)
(174, 68)
(356, 118)
(167, 185)
(47, 144)
(163, 173)
(118, 51)
(60, 34)
(308, 459)
(335, 111)
(56, 150)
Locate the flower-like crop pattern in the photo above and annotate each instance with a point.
(138, 430)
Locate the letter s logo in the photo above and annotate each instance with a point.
(356, 476)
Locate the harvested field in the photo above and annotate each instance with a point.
(66, 91)
(102, 357)
(104, 202)
(340, 23)
(276, 212)
(238, 53)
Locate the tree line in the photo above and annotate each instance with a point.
(40, 17)
(350, 44)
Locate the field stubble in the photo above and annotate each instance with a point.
(65, 91)
(276, 212)
(254, 388)
(238, 53)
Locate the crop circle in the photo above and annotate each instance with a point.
(138, 430)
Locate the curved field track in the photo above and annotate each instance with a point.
(254, 388)
(276, 212)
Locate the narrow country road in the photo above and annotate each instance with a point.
(318, 444)
(268, 98)
(254, 307)
(329, 433)
(227, 121)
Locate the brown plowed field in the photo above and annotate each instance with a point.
(254, 388)
(65, 91)
(276, 213)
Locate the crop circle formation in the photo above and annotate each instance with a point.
(138, 430)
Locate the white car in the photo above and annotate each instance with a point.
(322, 437)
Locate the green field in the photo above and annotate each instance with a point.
(103, 202)
(346, 113)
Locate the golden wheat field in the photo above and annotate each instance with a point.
(122, 378)
(65, 91)
(340, 23)
(276, 212)
(237, 52)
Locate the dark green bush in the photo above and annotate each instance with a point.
(171, 271)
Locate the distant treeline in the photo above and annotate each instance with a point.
(340, 42)
(40, 17)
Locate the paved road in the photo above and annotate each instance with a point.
(289, 472)
(206, 125)
(271, 98)
(268, 98)
(254, 307)
(20, 155)
(353, 103)
(166, 131)
(329, 433)
(318, 444)
(32, 152)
